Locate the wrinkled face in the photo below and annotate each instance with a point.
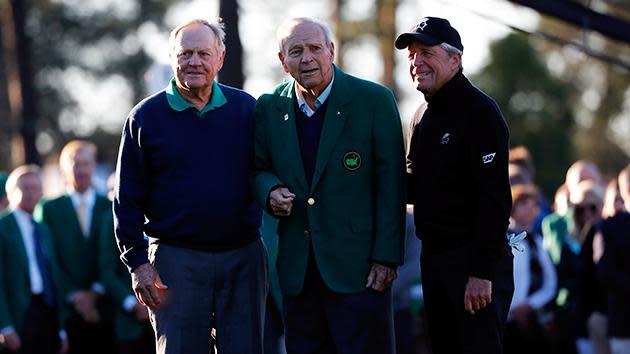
(525, 211)
(80, 169)
(431, 67)
(196, 59)
(308, 57)
(27, 192)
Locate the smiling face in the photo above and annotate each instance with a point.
(431, 67)
(308, 56)
(196, 58)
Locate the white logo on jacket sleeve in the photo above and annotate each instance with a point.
(488, 158)
(445, 139)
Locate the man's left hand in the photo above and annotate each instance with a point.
(478, 294)
(380, 277)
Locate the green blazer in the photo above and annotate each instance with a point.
(15, 281)
(117, 281)
(76, 254)
(356, 214)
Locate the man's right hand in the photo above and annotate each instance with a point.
(281, 201)
(147, 285)
(84, 303)
(11, 340)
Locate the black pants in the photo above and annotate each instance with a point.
(321, 321)
(452, 330)
(40, 332)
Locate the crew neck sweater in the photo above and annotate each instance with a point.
(183, 177)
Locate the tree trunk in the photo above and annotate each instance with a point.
(232, 71)
(386, 35)
(19, 74)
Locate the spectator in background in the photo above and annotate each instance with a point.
(131, 319)
(534, 278)
(30, 316)
(520, 156)
(614, 270)
(75, 219)
(613, 201)
(561, 201)
(4, 201)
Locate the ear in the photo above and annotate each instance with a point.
(284, 66)
(456, 61)
(221, 58)
(331, 48)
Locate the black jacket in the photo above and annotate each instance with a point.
(458, 175)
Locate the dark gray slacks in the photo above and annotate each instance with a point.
(225, 290)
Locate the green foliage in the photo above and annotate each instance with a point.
(535, 105)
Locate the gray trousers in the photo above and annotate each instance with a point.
(225, 290)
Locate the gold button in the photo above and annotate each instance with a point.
(311, 201)
(306, 233)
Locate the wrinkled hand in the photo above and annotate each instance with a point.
(11, 340)
(478, 294)
(380, 277)
(65, 346)
(85, 303)
(147, 285)
(140, 313)
(281, 201)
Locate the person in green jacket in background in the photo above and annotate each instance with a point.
(75, 219)
(30, 318)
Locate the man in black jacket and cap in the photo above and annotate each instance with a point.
(458, 182)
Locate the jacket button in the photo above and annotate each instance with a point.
(306, 233)
(311, 201)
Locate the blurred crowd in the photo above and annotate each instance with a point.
(571, 272)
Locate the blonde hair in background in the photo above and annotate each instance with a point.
(18, 173)
(71, 149)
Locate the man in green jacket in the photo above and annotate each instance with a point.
(29, 316)
(329, 162)
(75, 219)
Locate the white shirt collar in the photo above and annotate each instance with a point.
(89, 196)
(318, 101)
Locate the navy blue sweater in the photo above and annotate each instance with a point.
(188, 175)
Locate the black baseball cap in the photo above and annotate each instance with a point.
(431, 31)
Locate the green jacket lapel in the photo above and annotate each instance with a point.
(288, 130)
(335, 119)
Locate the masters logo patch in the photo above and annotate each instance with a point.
(352, 161)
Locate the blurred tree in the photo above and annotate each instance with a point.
(22, 111)
(601, 98)
(535, 105)
(383, 29)
(232, 71)
(100, 42)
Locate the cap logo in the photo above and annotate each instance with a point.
(423, 24)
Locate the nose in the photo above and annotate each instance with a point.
(194, 59)
(416, 59)
(307, 56)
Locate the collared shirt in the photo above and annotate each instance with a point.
(25, 224)
(305, 108)
(89, 197)
(178, 103)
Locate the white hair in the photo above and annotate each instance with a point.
(216, 27)
(284, 30)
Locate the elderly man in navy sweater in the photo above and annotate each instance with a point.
(182, 180)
